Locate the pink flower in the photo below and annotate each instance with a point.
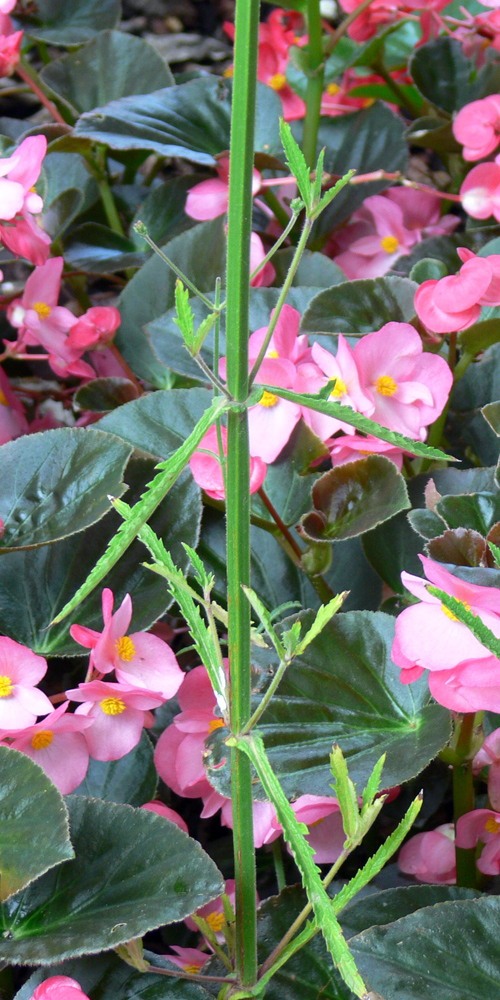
(210, 198)
(481, 825)
(321, 813)
(265, 825)
(205, 465)
(20, 700)
(25, 237)
(477, 127)
(347, 389)
(386, 227)
(407, 387)
(13, 422)
(96, 327)
(10, 52)
(6, 6)
(58, 746)
(430, 857)
(267, 274)
(274, 42)
(59, 988)
(140, 660)
(463, 674)
(480, 191)
(18, 200)
(188, 959)
(454, 302)
(489, 756)
(180, 748)
(285, 341)
(118, 712)
(161, 810)
(213, 912)
(349, 448)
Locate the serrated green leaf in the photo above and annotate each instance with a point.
(481, 631)
(184, 318)
(296, 161)
(373, 783)
(495, 551)
(361, 422)
(266, 620)
(323, 615)
(345, 790)
(332, 193)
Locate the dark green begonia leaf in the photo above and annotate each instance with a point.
(428, 268)
(476, 511)
(96, 249)
(448, 951)
(133, 871)
(346, 690)
(104, 394)
(34, 831)
(56, 483)
(360, 306)
(480, 336)
(158, 423)
(72, 22)
(433, 133)
(190, 120)
(35, 585)
(288, 483)
(353, 498)
(61, 212)
(107, 977)
(131, 779)
(315, 270)
(385, 907)
(443, 74)
(162, 211)
(113, 64)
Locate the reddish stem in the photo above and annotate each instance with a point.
(51, 108)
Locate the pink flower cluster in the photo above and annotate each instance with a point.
(381, 13)
(40, 321)
(59, 988)
(387, 377)
(463, 674)
(207, 468)
(109, 720)
(449, 304)
(19, 202)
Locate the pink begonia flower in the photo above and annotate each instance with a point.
(13, 422)
(96, 327)
(477, 127)
(311, 377)
(285, 341)
(213, 912)
(161, 810)
(10, 52)
(481, 825)
(265, 826)
(205, 465)
(463, 674)
(140, 659)
(489, 756)
(187, 959)
(386, 227)
(20, 700)
(18, 201)
(26, 238)
(59, 988)
(272, 63)
(480, 191)
(210, 198)
(326, 834)
(408, 388)
(430, 857)
(453, 303)
(118, 712)
(267, 274)
(349, 448)
(180, 748)
(58, 746)
(7, 5)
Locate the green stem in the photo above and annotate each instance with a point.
(287, 284)
(402, 98)
(141, 230)
(463, 798)
(279, 867)
(105, 192)
(344, 26)
(461, 367)
(275, 205)
(315, 83)
(286, 232)
(238, 475)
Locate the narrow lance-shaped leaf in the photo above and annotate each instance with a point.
(265, 618)
(323, 615)
(157, 490)
(296, 161)
(345, 790)
(473, 622)
(332, 193)
(185, 318)
(358, 420)
(304, 854)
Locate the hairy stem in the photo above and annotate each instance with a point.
(315, 83)
(463, 798)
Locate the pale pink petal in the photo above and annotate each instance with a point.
(154, 666)
(208, 199)
(11, 198)
(161, 810)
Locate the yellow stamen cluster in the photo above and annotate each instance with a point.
(215, 921)
(3, 399)
(449, 614)
(278, 81)
(42, 739)
(386, 386)
(215, 724)
(125, 648)
(228, 73)
(42, 309)
(389, 244)
(339, 389)
(332, 89)
(113, 706)
(268, 399)
(6, 686)
(491, 825)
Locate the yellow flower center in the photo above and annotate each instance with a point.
(368, 101)
(386, 386)
(125, 648)
(268, 399)
(491, 825)
(449, 614)
(42, 739)
(42, 309)
(278, 81)
(339, 389)
(273, 354)
(6, 686)
(3, 400)
(228, 73)
(215, 921)
(112, 706)
(332, 89)
(195, 968)
(316, 822)
(215, 724)
(389, 244)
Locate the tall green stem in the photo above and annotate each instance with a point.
(238, 472)
(315, 83)
(463, 798)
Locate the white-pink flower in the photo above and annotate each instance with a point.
(140, 659)
(58, 746)
(20, 700)
(348, 390)
(351, 447)
(206, 465)
(210, 198)
(477, 127)
(118, 712)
